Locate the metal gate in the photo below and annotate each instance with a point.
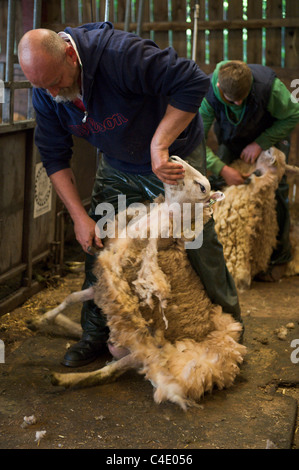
(32, 220)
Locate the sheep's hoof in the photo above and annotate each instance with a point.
(31, 325)
(37, 324)
(56, 380)
(69, 380)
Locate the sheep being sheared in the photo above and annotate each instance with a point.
(246, 221)
(157, 309)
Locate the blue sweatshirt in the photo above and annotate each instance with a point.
(127, 84)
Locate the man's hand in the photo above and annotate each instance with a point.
(232, 176)
(84, 228)
(166, 171)
(170, 127)
(250, 153)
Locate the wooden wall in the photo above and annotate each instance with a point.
(256, 31)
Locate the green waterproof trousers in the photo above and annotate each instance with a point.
(208, 260)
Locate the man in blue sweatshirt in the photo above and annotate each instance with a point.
(138, 104)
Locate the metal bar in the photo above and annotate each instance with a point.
(7, 115)
(140, 18)
(17, 126)
(30, 109)
(97, 9)
(23, 266)
(17, 298)
(2, 70)
(195, 30)
(59, 240)
(7, 110)
(28, 209)
(59, 236)
(127, 15)
(17, 85)
(11, 21)
(13, 272)
(80, 17)
(37, 14)
(202, 25)
(107, 10)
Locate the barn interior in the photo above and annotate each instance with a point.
(41, 262)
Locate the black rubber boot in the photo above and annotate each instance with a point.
(95, 332)
(84, 352)
(208, 261)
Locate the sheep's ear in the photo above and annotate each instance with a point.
(217, 196)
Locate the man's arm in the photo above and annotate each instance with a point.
(55, 145)
(171, 126)
(65, 186)
(285, 111)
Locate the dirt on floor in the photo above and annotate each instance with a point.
(258, 412)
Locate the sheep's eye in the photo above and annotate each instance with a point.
(203, 189)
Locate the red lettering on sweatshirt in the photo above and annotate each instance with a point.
(93, 127)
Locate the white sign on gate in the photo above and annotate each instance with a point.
(43, 191)
(1, 91)
(2, 352)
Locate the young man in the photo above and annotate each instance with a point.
(253, 111)
(137, 104)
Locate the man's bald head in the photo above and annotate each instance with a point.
(40, 49)
(51, 63)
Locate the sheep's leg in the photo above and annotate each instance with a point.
(106, 374)
(54, 316)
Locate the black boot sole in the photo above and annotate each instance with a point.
(83, 362)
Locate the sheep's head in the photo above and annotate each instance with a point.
(271, 160)
(194, 187)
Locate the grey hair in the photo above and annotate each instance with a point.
(53, 45)
(44, 40)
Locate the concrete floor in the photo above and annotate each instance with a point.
(258, 412)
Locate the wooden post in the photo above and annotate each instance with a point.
(292, 36)
(179, 38)
(235, 37)
(215, 36)
(273, 35)
(254, 40)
